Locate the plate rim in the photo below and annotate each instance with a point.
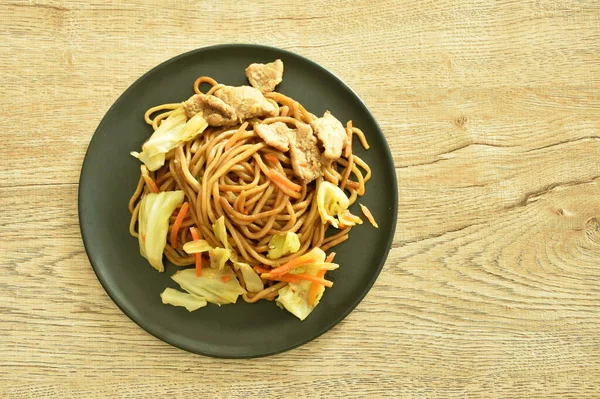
(140, 323)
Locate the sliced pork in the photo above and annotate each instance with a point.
(276, 135)
(305, 154)
(247, 101)
(331, 134)
(265, 77)
(214, 110)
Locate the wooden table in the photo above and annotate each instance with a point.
(492, 111)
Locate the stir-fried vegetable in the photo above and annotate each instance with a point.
(220, 231)
(197, 256)
(218, 257)
(178, 220)
(196, 247)
(283, 244)
(212, 285)
(294, 298)
(369, 215)
(306, 286)
(174, 297)
(252, 280)
(315, 255)
(153, 220)
(331, 203)
(348, 219)
(172, 132)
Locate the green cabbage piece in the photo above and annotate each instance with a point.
(153, 224)
(196, 247)
(171, 133)
(174, 297)
(218, 257)
(294, 298)
(210, 285)
(220, 231)
(333, 204)
(283, 244)
(252, 280)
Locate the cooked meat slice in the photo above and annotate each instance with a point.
(247, 101)
(265, 77)
(305, 154)
(331, 134)
(276, 135)
(215, 111)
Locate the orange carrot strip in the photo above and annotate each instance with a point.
(148, 180)
(313, 279)
(196, 237)
(150, 183)
(271, 158)
(225, 279)
(280, 179)
(236, 136)
(291, 265)
(312, 295)
(330, 257)
(368, 215)
(177, 224)
(259, 269)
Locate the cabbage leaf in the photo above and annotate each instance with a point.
(333, 204)
(174, 297)
(283, 244)
(294, 298)
(153, 224)
(216, 286)
(171, 133)
(252, 280)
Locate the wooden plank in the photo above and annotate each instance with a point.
(492, 287)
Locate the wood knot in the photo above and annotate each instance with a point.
(592, 230)
(461, 121)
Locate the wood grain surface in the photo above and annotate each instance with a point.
(492, 111)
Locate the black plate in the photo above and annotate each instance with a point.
(109, 176)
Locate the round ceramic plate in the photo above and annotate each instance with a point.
(109, 176)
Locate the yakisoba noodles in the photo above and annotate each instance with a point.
(243, 182)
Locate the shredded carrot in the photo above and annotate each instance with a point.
(313, 279)
(312, 294)
(280, 179)
(148, 180)
(143, 237)
(177, 224)
(196, 237)
(291, 265)
(259, 269)
(271, 158)
(350, 217)
(225, 279)
(304, 164)
(150, 183)
(368, 215)
(236, 136)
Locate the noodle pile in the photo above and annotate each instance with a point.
(223, 172)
